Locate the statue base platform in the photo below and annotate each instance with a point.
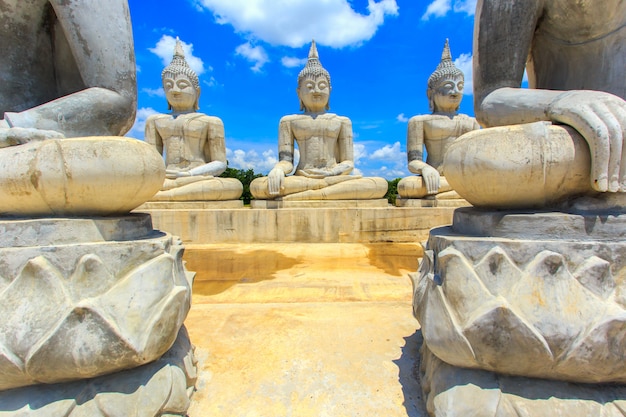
(431, 202)
(191, 205)
(163, 387)
(85, 297)
(453, 391)
(280, 203)
(539, 295)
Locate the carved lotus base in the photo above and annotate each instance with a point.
(452, 391)
(81, 298)
(160, 388)
(521, 304)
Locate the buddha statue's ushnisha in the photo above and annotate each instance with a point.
(436, 131)
(326, 149)
(193, 143)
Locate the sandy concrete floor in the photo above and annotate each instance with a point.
(304, 330)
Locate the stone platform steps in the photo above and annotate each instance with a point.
(317, 329)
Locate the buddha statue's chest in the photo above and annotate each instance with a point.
(446, 128)
(592, 19)
(316, 128)
(188, 129)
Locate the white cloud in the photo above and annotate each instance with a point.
(250, 159)
(291, 62)
(402, 118)
(154, 92)
(164, 49)
(295, 22)
(439, 8)
(389, 153)
(359, 153)
(464, 63)
(254, 54)
(137, 131)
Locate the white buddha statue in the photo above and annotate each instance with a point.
(436, 131)
(193, 143)
(326, 149)
(564, 137)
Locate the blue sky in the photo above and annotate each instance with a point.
(248, 53)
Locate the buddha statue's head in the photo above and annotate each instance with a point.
(180, 82)
(314, 84)
(445, 84)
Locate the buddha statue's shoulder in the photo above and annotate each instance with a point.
(160, 116)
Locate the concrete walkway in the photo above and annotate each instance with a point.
(322, 330)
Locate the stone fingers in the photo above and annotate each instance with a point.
(614, 128)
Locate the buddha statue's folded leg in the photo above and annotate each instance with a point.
(367, 188)
(292, 184)
(414, 187)
(530, 165)
(212, 189)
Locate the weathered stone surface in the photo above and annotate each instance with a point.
(160, 388)
(453, 391)
(547, 308)
(78, 176)
(83, 309)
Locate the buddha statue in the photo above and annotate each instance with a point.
(71, 84)
(436, 131)
(563, 139)
(326, 149)
(67, 94)
(192, 142)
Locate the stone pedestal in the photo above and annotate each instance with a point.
(431, 202)
(536, 295)
(86, 297)
(191, 205)
(280, 203)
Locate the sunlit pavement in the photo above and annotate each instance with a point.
(304, 330)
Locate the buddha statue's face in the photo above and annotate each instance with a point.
(314, 93)
(180, 93)
(448, 93)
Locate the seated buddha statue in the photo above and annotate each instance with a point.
(58, 78)
(67, 93)
(562, 140)
(436, 131)
(192, 142)
(326, 149)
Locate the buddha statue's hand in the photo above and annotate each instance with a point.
(173, 174)
(275, 181)
(12, 136)
(316, 172)
(601, 119)
(431, 179)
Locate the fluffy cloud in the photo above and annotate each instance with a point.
(389, 153)
(291, 62)
(295, 22)
(464, 63)
(251, 159)
(439, 8)
(164, 49)
(253, 54)
(402, 118)
(137, 131)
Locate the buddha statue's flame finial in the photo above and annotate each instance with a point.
(313, 66)
(179, 65)
(446, 68)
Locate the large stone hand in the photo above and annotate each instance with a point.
(601, 119)
(275, 181)
(12, 136)
(431, 179)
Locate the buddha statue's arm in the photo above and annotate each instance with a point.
(415, 155)
(151, 134)
(345, 149)
(503, 36)
(214, 151)
(276, 176)
(100, 40)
